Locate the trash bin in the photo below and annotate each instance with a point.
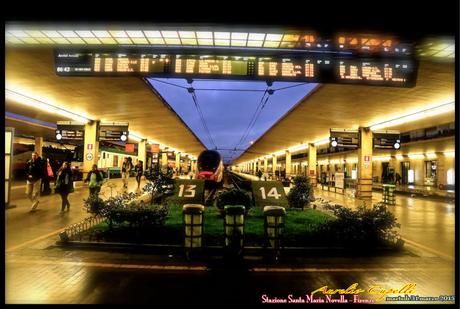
(388, 195)
(193, 227)
(234, 229)
(274, 218)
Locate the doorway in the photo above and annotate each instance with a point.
(405, 167)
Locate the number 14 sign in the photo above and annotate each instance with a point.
(269, 193)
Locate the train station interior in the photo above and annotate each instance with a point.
(352, 136)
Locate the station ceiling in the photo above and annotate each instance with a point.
(30, 71)
(351, 106)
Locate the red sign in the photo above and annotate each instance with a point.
(89, 146)
(129, 147)
(155, 148)
(312, 172)
(367, 158)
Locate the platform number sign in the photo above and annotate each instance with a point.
(187, 191)
(269, 193)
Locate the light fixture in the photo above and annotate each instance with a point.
(34, 103)
(334, 143)
(123, 137)
(397, 145)
(58, 135)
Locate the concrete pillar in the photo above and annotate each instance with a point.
(185, 169)
(274, 166)
(312, 164)
(39, 145)
(288, 163)
(194, 171)
(91, 147)
(142, 153)
(265, 165)
(364, 184)
(164, 159)
(177, 160)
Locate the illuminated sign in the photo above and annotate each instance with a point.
(320, 68)
(386, 139)
(113, 131)
(344, 138)
(69, 131)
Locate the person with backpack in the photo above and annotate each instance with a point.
(95, 179)
(139, 171)
(64, 185)
(126, 168)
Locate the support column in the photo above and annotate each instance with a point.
(177, 161)
(39, 145)
(274, 167)
(312, 164)
(265, 164)
(164, 160)
(142, 153)
(194, 166)
(288, 163)
(185, 169)
(91, 147)
(364, 184)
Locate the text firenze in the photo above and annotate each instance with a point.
(290, 299)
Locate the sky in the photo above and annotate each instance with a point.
(228, 114)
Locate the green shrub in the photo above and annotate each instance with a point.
(301, 194)
(94, 204)
(233, 197)
(364, 226)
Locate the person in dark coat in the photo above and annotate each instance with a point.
(34, 174)
(64, 185)
(139, 171)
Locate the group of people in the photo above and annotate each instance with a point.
(39, 171)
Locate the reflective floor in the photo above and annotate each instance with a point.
(38, 271)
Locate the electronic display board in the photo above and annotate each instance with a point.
(117, 132)
(220, 65)
(66, 131)
(323, 68)
(386, 139)
(344, 138)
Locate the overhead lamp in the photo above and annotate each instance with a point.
(123, 137)
(334, 143)
(397, 144)
(34, 103)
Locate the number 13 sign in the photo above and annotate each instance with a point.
(188, 191)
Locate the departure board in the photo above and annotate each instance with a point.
(218, 65)
(321, 68)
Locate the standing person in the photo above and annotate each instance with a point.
(125, 171)
(95, 181)
(34, 174)
(64, 184)
(139, 170)
(398, 179)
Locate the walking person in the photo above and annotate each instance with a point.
(34, 174)
(125, 171)
(64, 185)
(95, 179)
(139, 171)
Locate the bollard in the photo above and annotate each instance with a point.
(274, 217)
(388, 195)
(193, 227)
(234, 229)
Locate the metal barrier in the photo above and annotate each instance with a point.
(193, 227)
(274, 227)
(234, 229)
(388, 195)
(77, 229)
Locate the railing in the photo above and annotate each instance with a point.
(77, 230)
